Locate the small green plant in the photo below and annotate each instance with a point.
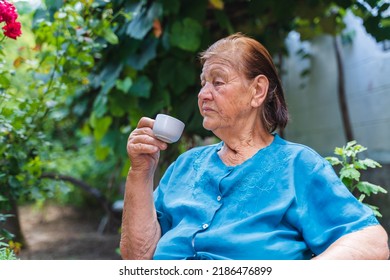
(6, 253)
(350, 174)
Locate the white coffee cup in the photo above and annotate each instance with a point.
(167, 128)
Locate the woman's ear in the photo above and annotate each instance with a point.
(259, 91)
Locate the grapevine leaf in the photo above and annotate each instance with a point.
(186, 34)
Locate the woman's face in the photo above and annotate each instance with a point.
(224, 100)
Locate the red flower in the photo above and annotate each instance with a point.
(7, 12)
(12, 30)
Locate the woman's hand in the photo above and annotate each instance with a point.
(143, 148)
(140, 228)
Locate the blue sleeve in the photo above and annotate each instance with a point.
(163, 217)
(327, 209)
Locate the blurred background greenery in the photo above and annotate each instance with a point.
(77, 81)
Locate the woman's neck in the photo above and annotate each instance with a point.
(237, 149)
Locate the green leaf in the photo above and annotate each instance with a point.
(14, 183)
(101, 126)
(359, 165)
(350, 144)
(4, 81)
(124, 85)
(117, 142)
(176, 74)
(186, 34)
(349, 172)
(110, 36)
(359, 148)
(102, 152)
(333, 160)
(7, 112)
(349, 153)
(339, 151)
(385, 22)
(143, 19)
(369, 188)
(166, 71)
(141, 87)
(185, 76)
(108, 76)
(108, 79)
(121, 103)
(161, 100)
(369, 163)
(349, 183)
(139, 60)
(8, 235)
(100, 105)
(374, 209)
(384, 7)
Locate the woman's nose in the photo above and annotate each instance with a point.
(205, 92)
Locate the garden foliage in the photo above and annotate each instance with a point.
(350, 172)
(74, 85)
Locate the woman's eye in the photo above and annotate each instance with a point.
(218, 83)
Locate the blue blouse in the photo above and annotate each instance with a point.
(286, 202)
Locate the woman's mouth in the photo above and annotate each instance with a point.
(207, 109)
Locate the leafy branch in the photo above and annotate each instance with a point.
(350, 174)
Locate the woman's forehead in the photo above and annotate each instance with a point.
(217, 64)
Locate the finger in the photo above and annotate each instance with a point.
(143, 131)
(145, 127)
(143, 148)
(145, 122)
(146, 138)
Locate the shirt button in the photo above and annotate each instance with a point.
(219, 198)
(204, 226)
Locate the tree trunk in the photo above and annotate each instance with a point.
(341, 93)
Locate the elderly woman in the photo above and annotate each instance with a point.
(251, 196)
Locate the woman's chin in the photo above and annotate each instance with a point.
(208, 125)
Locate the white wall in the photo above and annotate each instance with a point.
(314, 108)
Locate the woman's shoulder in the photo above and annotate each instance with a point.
(301, 152)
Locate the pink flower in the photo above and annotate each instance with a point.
(8, 14)
(12, 30)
